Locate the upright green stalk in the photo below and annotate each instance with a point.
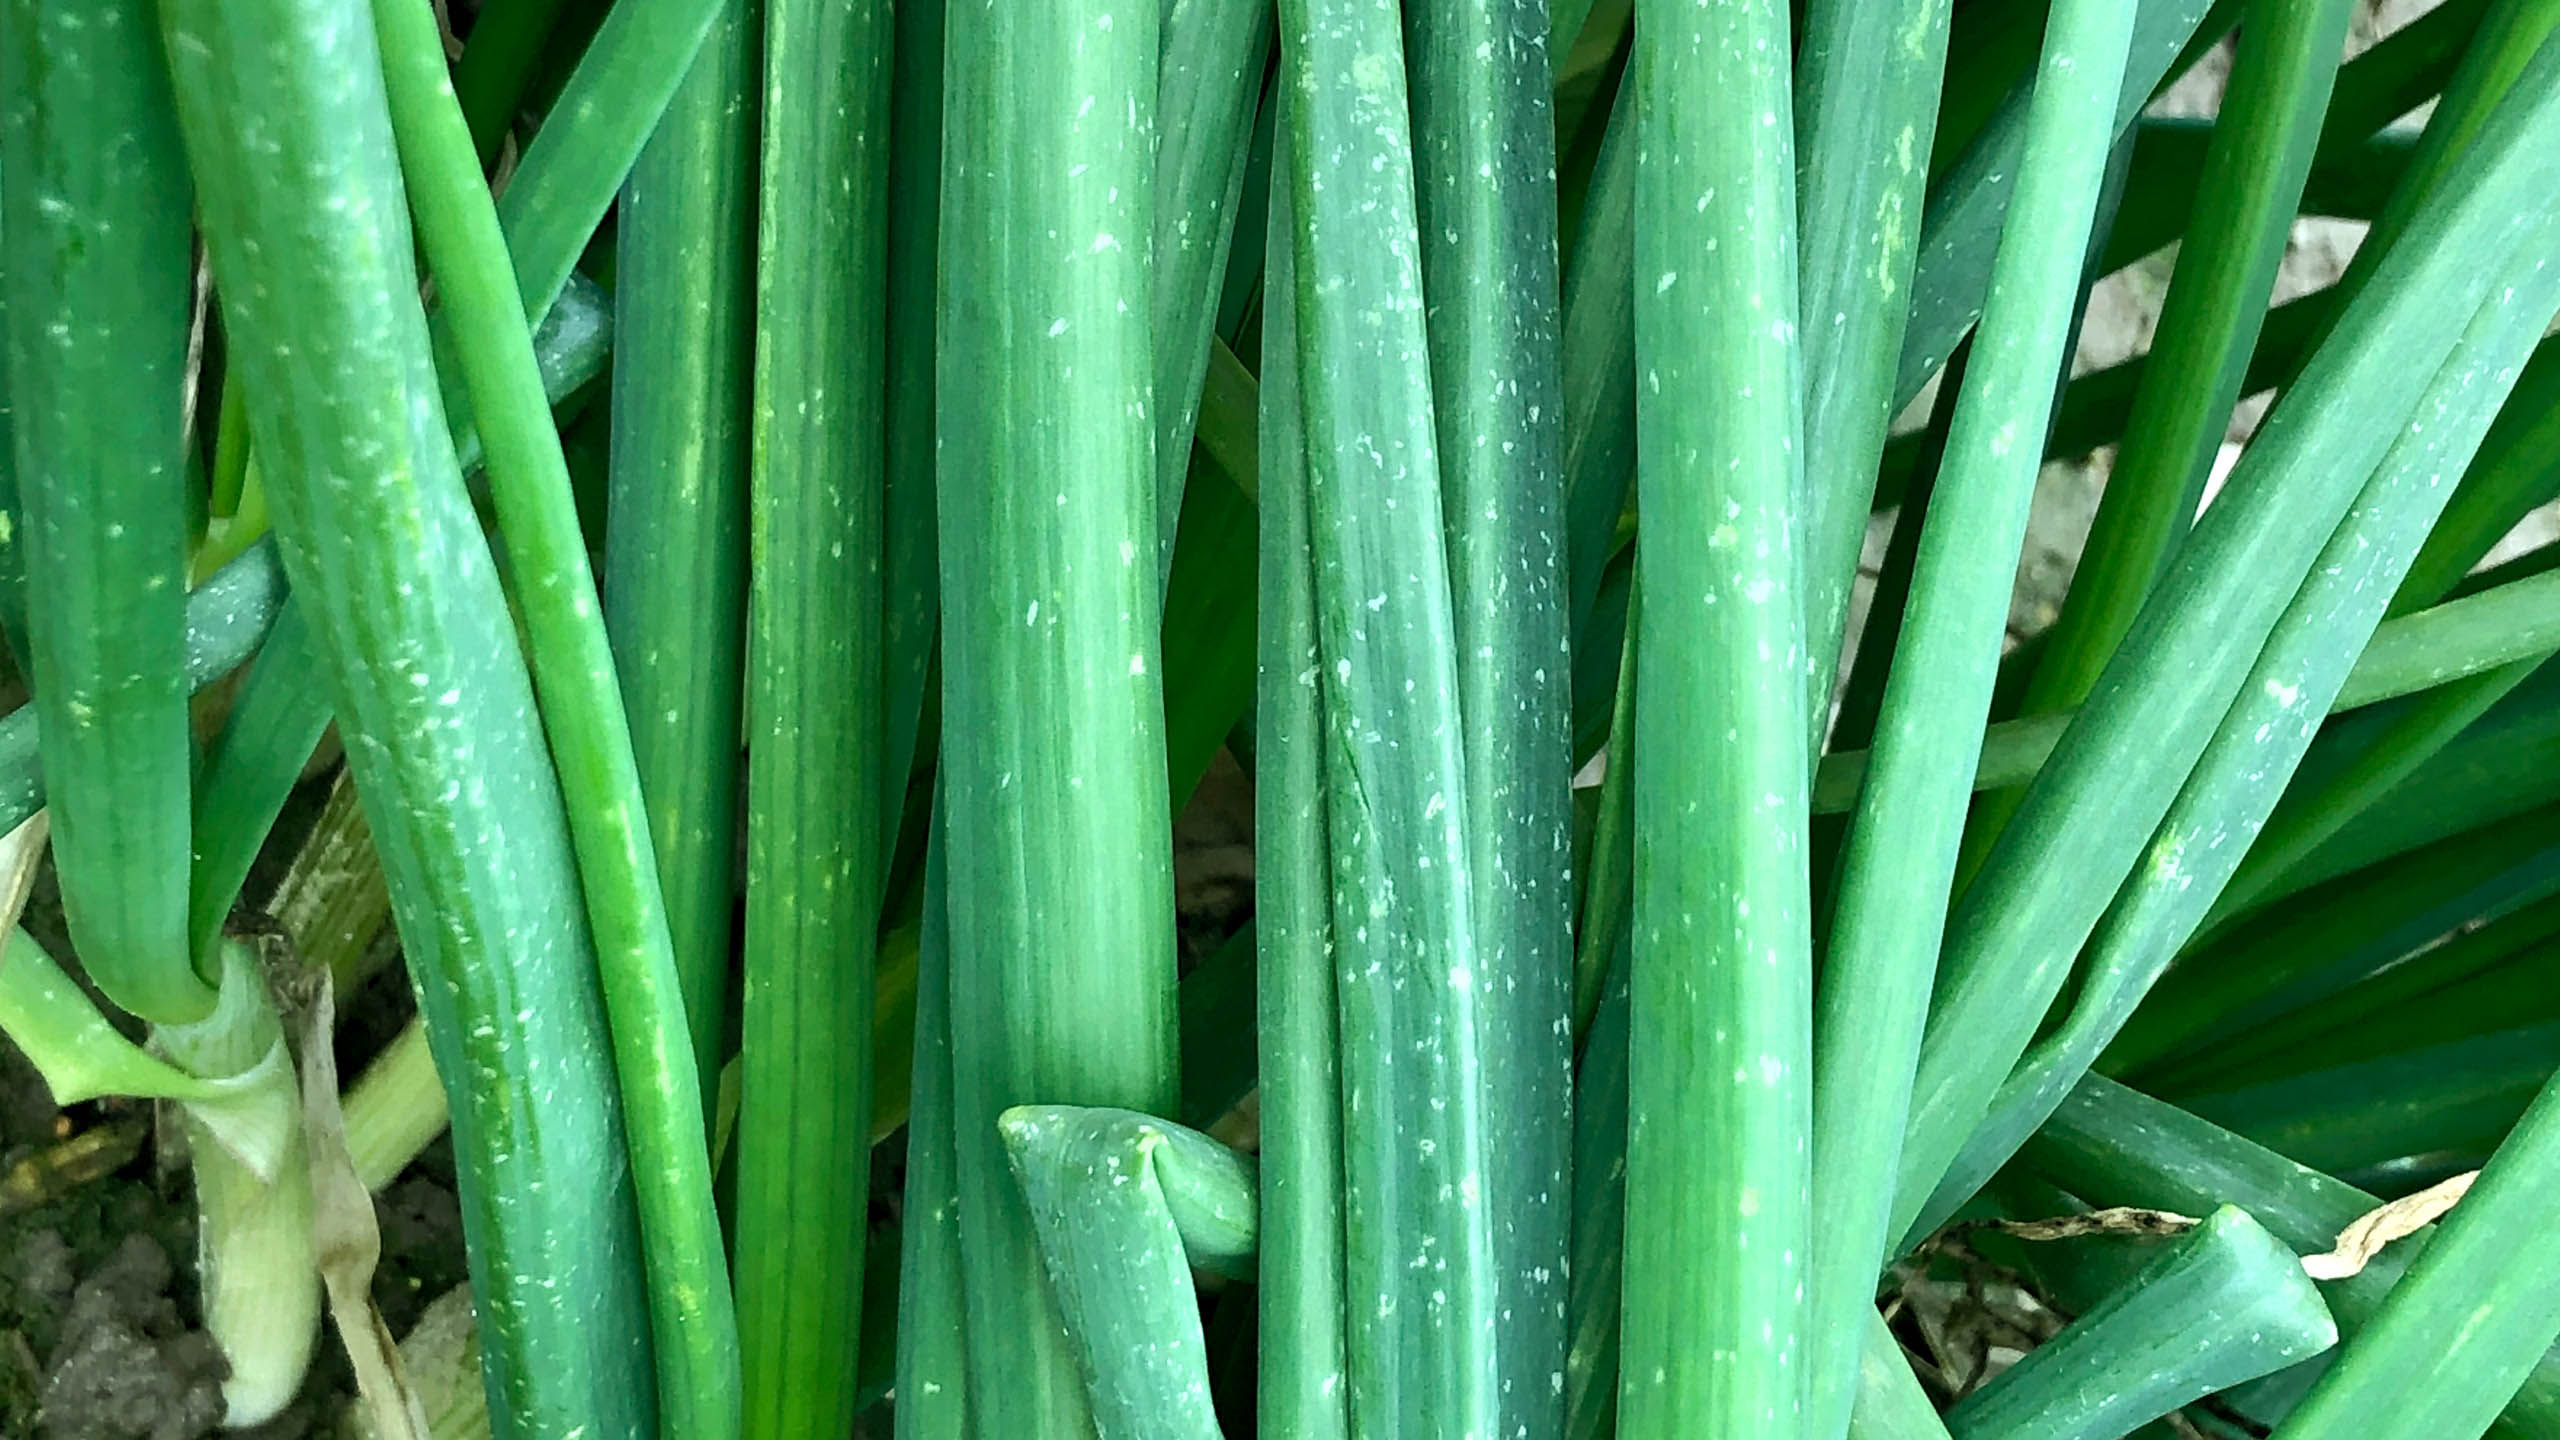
(1717, 1232)
(497, 65)
(932, 1363)
(2254, 753)
(1299, 1383)
(1964, 216)
(1599, 1216)
(1597, 341)
(95, 210)
(276, 721)
(675, 552)
(2246, 197)
(1062, 956)
(932, 1373)
(1485, 203)
(1423, 1340)
(604, 116)
(1866, 115)
(814, 839)
(691, 1318)
(909, 600)
(1901, 855)
(13, 554)
(1608, 875)
(2247, 194)
(2095, 807)
(1208, 87)
(302, 220)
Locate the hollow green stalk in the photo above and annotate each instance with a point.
(909, 587)
(2311, 946)
(1423, 1343)
(1208, 639)
(675, 551)
(13, 555)
(2468, 977)
(1484, 195)
(2117, 1146)
(1053, 763)
(497, 66)
(1299, 1387)
(1597, 344)
(1599, 1216)
(1960, 225)
(2510, 35)
(932, 1352)
(1208, 86)
(2248, 190)
(2311, 814)
(1900, 860)
(2468, 636)
(302, 219)
(571, 342)
(1890, 1403)
(2355, 153)
(691, 1316)
(1301, 1338)
(1866, 114)
(1126, 1206)
(94, 205)
(2493, 769)
(2254, 754)
(2219, 1306)
(595, 130)
(275, 723)
(814, 839)
(2514, 473)
(2095, 807)
(2455, 1099)
(1608, 896)
(1717, 1234)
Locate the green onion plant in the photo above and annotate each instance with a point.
(746, 544)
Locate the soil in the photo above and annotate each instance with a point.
(99, 1313)
(100, 1334)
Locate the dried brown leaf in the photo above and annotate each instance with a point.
(2361, 1241)
(344, 1233)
